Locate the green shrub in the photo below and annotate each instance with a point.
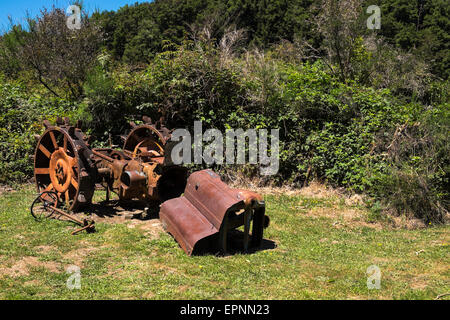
(365, 139)
(417, 178)
(20, 119)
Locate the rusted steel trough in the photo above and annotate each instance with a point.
(209, 207)
(199, 211)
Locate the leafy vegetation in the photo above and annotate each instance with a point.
(20, 119)
(363, 109)
(135, 32)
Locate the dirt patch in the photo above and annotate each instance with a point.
(418, 283)
(152, 228)
(317, 190)
(354, 200)
(134, 215)
(148, 295)
(183, 288)
(5, 189)
(326, 240)
(345, 217)
(137, 216)
(113, 212)
(78, 256)
(46, 249)
(24, 266)
(381, 261)
(313, 190)
(351, 297)
(346, 214)
(32, 283)
(407, 223)
(166, 269)
(112, 219)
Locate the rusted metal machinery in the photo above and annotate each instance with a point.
(209, 209)
(46, 205)
(67, 167)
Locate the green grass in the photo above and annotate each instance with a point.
(319, 255)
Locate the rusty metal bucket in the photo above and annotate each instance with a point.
(209, 209)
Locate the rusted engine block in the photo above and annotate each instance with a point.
(66, 165)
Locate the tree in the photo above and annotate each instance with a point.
(58, 56)
(420, 27)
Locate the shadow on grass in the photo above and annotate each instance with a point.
(235, 245)
(119, 208)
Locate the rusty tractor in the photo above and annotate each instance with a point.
(199, 211)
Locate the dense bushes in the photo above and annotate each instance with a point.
(134, 33)
(417, 179)
(364, 139)
(378, 124)
(21, 116)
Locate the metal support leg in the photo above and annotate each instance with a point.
(258, 226)
(107, 194)
(247, 218)
(223, 236)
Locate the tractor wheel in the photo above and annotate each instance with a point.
(146, 137)
(60, 166)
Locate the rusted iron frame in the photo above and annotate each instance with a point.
(101, 155)
(105, 171)
(128, 153)
(214, 208)
(86, 225)
(255, 212)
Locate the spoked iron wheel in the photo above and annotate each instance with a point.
(145, 138)
(58, 168)
(42, 206)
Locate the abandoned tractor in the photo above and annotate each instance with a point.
(199, 211)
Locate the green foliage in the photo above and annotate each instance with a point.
(417, 179)
(136, 33)
(337, 132)
(181, 86)
(111, 97)
(188, 85)
(421, 27)
(21, 117)
(376, 122)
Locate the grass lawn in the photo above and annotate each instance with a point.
(324, 246)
